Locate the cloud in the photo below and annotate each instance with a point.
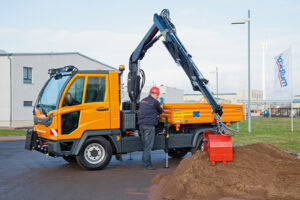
(210, 47)
(111, 47)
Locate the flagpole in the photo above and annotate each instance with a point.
(270, 110)
(292, 120)
(249, 86)
(264, 45)
(292, 91)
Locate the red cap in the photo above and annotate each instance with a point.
(154, 90)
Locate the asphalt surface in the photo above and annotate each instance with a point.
(12, 138)
(31, 175)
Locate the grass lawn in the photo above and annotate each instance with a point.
(4, 132)
(276, 131)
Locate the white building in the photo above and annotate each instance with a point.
(256, 95)
(24, 74)
(169, 94)
(240, 97)
(222, 98)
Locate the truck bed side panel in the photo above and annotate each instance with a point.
(134, 143)
(200, 113)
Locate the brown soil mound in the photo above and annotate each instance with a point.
(259, 171)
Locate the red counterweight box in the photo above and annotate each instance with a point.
(219, 148)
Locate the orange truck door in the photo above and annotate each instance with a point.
(90, 108)
(96, 114)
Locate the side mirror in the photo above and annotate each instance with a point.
(68, 100)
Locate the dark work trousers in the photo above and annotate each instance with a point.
(147, 135)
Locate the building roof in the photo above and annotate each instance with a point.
(3, 53)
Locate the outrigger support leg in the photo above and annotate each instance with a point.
(166, 133)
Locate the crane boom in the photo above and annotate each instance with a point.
(163, 24)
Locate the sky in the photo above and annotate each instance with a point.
(109, 31)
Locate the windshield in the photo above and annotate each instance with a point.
(48, 99)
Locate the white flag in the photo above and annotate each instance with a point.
(282, 88)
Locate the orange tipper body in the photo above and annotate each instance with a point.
(199, 113)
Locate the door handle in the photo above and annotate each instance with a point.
(102, 109)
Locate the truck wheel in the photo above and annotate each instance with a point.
(199, 144)
(177, 153)
(70, 159)
(95, 153)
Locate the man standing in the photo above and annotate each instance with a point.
(148, 115)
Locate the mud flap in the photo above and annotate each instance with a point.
(31, 138)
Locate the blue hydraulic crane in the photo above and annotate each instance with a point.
(136, 76)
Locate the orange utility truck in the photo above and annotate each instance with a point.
(77, 115)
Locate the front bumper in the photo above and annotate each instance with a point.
(49, 147)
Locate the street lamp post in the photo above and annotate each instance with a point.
(243, 21)
(217, 81)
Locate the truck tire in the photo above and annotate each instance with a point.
(70, 159)
(177, 153)
(95, 153)
(199, 144)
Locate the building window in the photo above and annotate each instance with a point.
(27, 103)
(27, 75)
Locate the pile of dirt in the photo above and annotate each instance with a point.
(258, 171)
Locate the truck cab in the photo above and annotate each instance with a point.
(74, 103)
(71, 103)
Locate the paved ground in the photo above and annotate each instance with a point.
(12, 138)
(32, 175)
